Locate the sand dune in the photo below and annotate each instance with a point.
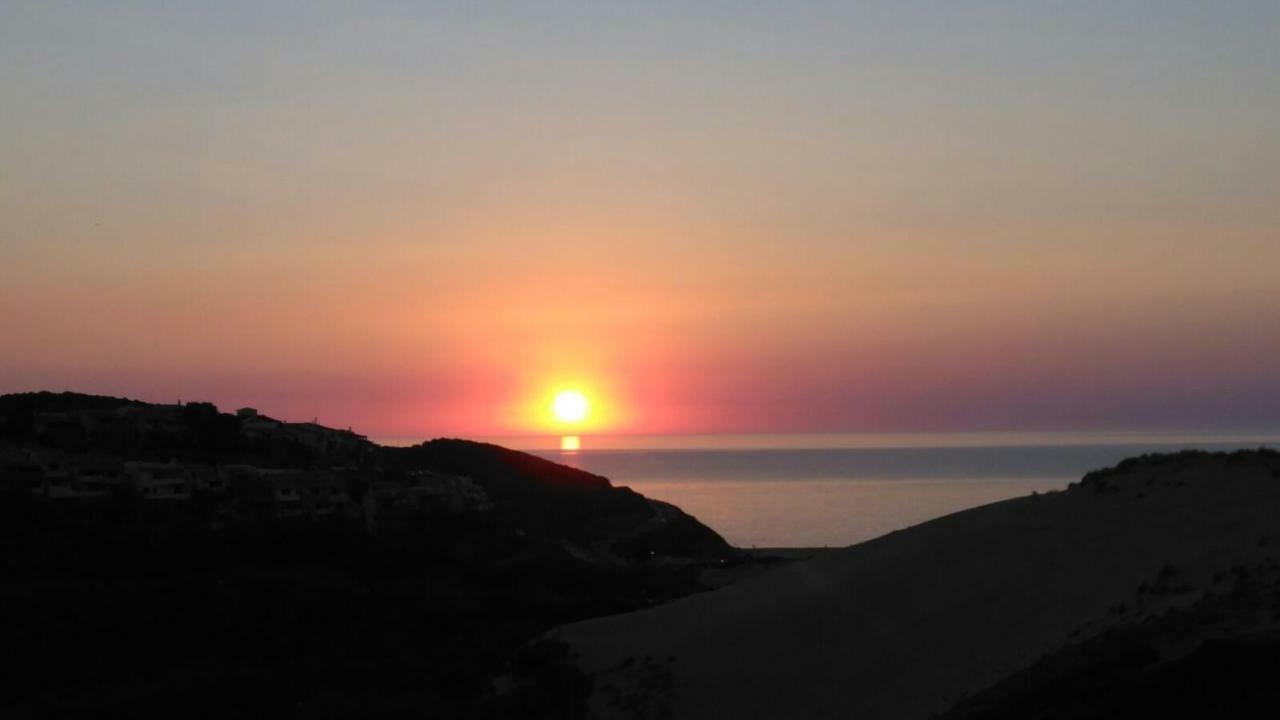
(905, 625)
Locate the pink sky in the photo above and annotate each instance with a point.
(419, 223)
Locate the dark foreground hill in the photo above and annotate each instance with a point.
(174, 560)
(1148, 590)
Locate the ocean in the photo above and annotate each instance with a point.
(832, 490)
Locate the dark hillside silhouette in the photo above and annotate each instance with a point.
(172, 559)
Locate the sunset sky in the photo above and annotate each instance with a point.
(706, 217)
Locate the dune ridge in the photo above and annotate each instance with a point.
(910, 624)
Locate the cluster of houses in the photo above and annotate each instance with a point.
(63, 467)
(369, 495)
(59, 476)
(168, 420)
(313, 436)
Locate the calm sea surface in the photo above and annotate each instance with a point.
(834, 490)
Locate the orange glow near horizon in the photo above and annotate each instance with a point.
(571, 405)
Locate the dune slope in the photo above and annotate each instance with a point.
(907, 625)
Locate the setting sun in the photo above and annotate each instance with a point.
(570, 406)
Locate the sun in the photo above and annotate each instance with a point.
(570, 406)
